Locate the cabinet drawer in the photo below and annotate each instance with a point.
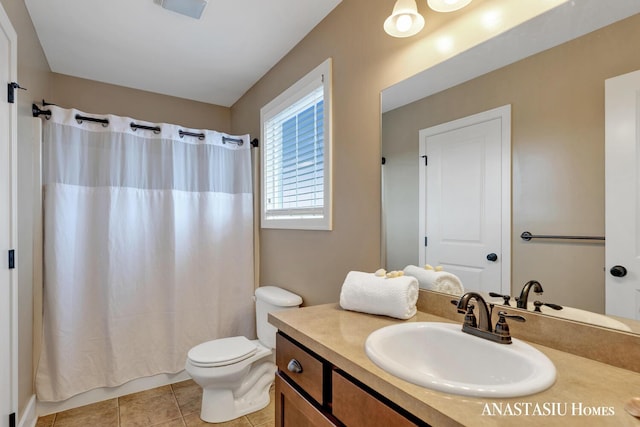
(355, 407)
(310, 377)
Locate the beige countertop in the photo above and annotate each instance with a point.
(338, 336)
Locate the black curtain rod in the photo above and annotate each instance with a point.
(80, 119)
(135, 127)
(182, 134)
(37, 112)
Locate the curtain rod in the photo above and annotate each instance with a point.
(37, 112)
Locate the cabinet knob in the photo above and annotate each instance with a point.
(294, 366)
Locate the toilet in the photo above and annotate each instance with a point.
(236, 373)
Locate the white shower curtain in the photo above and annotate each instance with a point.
(148, 249)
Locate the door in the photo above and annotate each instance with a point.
(8, 230)
(465, 206)
(622, 196)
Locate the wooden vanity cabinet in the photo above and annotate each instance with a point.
(311, 392)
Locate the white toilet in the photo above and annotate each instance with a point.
(236, 373)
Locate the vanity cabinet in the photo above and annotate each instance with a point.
(310, 391)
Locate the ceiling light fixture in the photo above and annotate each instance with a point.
(447, 5)
(191, 8)
(405, 21)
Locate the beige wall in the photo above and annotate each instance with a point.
(101, 98)
(557, 100)
(365, 61)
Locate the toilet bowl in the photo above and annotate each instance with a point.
(236, 373)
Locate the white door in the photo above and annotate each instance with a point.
(8, 228)
(622, 200)
(465, 206)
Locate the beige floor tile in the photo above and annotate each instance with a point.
(152, 410)
(269, 424)
(183, 384)
(189, 397)
(144, 395)
(178, 422)
(99, 414)
(265, 415)
(46, 421)
(103, 418)
(193, 420)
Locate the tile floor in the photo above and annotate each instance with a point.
(176, 405)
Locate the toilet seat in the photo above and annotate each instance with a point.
(221, 352)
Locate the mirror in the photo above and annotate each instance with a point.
(557, 145)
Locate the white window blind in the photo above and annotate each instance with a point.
(295, 167)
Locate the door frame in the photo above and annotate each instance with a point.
(12, 354)
(504, 114)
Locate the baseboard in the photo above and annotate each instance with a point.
(29, 418)
(105, 393)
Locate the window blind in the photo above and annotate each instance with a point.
(294, 159)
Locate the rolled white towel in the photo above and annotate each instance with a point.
(367, 293)
(440, 281)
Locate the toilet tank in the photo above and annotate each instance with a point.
(270, 299)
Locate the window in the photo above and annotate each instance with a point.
(296, 155)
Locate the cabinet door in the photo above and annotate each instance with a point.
(293, 410)
(356, 408)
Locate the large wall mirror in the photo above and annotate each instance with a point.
(551, 71)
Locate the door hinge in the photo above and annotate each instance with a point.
(11, 91)
(12, 419)
(12, 259)
(425, 160)
(425, 240)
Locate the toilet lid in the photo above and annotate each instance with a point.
(221, 352)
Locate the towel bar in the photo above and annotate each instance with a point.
(528, 236)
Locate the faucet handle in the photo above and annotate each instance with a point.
(502, 328)
(470, 317)
(504, 315)
(538, 304)
(506, 298)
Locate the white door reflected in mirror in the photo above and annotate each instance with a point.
(622, 196)
(465, 199)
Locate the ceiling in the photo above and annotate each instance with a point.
(139, 44)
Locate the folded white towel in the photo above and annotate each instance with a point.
(439, 281)
(367, 293)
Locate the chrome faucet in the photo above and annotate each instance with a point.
(483, 327)
(524, 294)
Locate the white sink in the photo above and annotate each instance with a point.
(440, 356)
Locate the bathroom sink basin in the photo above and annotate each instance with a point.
(440, 356)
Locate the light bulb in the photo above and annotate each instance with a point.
(404, 23)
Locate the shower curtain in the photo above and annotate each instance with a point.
(148, 248)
